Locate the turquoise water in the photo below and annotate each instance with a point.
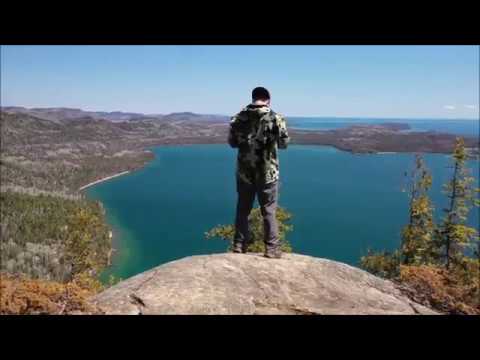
(458, 127)
(342, 203)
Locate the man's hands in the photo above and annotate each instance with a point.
(283, 138)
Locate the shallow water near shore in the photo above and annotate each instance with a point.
(342, 204)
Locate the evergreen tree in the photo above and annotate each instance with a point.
(227, 232)
(385, 264)
(417, 246)
(453, 235)
(417, 236)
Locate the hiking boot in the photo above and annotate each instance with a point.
(239, 248)
(273, 253)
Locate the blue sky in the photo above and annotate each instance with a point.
(355, 81)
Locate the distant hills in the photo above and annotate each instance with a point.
(54, 132)
(59, 149)
(61, 113)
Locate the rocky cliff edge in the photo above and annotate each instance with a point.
(251, 284)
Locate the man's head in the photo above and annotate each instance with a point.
(260, 95)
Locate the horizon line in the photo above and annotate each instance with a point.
(212, 114)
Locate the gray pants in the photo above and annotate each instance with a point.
(267, 199)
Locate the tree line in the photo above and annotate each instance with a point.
(437, 261)
(53, 238)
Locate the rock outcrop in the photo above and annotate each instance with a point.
(252, 284)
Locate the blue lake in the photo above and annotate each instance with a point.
(342, 203)
(458, 127)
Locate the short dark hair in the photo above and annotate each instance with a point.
(260, 93)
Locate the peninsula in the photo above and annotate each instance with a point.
(67, 149)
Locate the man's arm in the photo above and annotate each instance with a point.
(283, 138)
(232, 134)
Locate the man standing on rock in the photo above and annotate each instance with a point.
(258, 132)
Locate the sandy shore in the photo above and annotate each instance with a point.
(104, 179)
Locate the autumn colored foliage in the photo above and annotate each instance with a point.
(437, 264)
(443, 290)
(22, 296)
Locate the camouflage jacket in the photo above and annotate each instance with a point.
(258, 132)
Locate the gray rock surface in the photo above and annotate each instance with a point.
(251, 284)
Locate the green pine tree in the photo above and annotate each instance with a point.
(417, 246)
(417, 236)
(454, 236)
(227, 232)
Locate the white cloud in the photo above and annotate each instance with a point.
(449, 107)
(470, 106)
